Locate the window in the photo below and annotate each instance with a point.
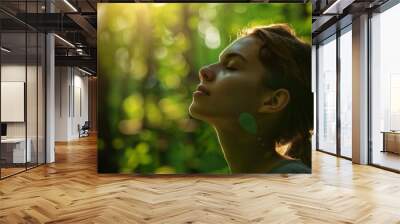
(385, 89)
(346, 92)
(327, 95)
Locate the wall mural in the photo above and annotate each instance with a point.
(204, 88)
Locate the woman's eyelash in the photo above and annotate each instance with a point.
(228, 66)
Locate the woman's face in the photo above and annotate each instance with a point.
(231, 86)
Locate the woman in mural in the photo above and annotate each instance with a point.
(258, 99)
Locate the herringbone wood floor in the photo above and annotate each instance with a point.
(70, 191)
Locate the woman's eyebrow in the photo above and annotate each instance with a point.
(230, 55)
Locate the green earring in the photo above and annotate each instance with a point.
(248, 123)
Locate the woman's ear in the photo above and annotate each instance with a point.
(275, 101)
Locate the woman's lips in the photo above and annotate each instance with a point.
(201, 90)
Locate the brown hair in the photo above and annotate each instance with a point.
(287, 60)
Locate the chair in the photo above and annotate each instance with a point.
(84, 130)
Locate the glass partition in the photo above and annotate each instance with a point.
(13, 105)
(32, 95)
(41, 88)
(22, 92)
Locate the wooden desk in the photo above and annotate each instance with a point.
(391, 141)
(16, 147)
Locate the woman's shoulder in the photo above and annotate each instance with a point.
(291, 166)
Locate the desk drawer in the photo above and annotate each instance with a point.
(392, 142)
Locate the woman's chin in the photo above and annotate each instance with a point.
(193, 110)
(197, 111)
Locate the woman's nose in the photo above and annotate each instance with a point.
(206, 74)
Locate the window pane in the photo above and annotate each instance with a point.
(345, 94)
(327, 96)
(385, 89)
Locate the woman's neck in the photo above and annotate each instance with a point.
(247, 153)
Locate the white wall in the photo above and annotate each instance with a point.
(71, 94)
(80, 105)
(62, 81)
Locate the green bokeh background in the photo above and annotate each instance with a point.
(148, 61)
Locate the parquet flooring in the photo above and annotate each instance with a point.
(70, 191)
(10, 171)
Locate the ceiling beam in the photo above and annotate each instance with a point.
(337, 7)
(82, 61)
(86, 26)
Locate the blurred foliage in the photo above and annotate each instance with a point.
(149, 57)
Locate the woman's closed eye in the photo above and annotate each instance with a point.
(231, 66)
